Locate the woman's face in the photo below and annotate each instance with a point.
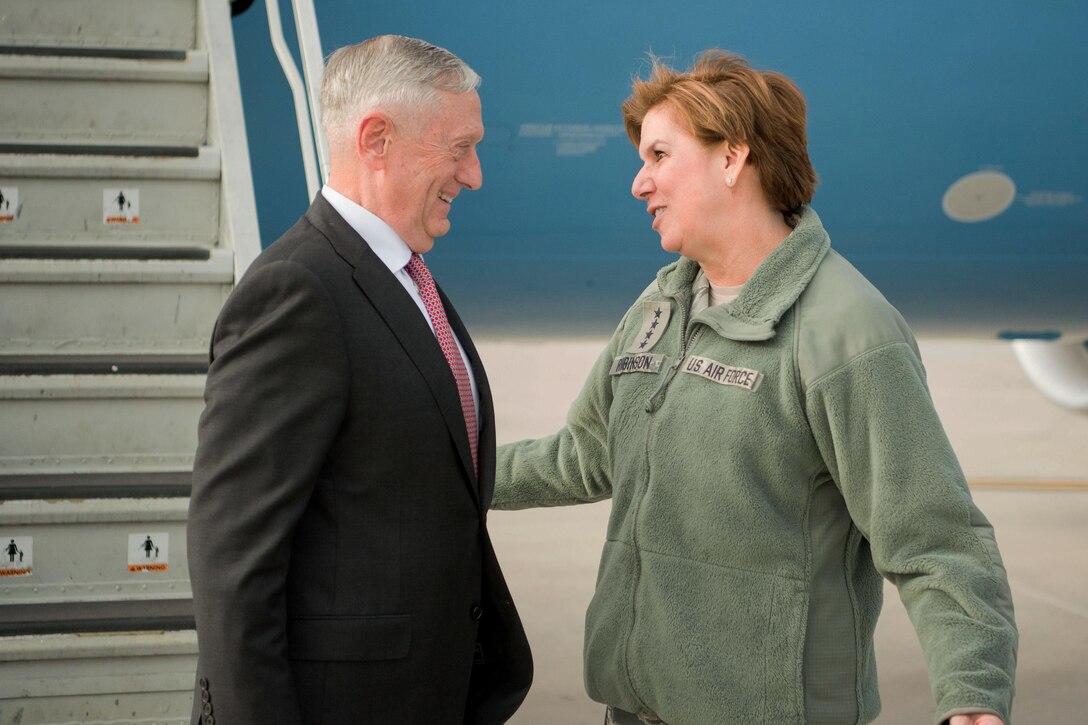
(683, 184)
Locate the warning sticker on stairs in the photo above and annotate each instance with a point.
(120, 206)
(9, 203)
(148, 552)
(16, 556)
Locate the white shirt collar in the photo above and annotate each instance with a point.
(381, 238)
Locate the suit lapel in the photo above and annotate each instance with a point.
(485, 451)
(403, 318)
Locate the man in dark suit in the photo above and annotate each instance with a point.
(340, 562)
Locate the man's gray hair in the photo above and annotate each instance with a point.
(389, 73)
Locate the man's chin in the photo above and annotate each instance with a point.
(438, 230)
(420, 246)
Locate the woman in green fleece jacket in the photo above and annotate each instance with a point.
(761, 421)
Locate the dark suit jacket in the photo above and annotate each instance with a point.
(340, 562)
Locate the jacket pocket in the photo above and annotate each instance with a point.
(608, 623)
(350, 638)
(712, 643)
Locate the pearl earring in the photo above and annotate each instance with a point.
(729, 181)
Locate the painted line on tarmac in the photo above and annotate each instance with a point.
(1028, 485)
(1050, 599)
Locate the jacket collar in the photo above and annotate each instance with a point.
(771, 290)
(400, 313)
(382, 239)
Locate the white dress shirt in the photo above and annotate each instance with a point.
(395, 254)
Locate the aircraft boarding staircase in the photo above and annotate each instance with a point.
(127, 213)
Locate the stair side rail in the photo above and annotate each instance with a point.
(238, 227)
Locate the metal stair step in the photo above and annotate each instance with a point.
(130, 678)
(37, 65)
(104, 100)
(89, 551)
(169, 24)
(80, 52)
(111, 307)
(99, 149)
(161, 484)
(61, 364)
(69, 161)
(74, 200)
(218, 269)
(102, 424)
(96, 617)
(96, 250)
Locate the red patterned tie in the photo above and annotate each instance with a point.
(419, 273)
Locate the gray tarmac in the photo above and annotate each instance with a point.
(1026, 459)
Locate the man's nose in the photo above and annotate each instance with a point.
(471, 174)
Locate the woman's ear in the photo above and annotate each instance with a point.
(734, 161)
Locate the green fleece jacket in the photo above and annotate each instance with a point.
(768, 460)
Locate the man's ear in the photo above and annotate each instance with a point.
(734, 161)
(372, 138)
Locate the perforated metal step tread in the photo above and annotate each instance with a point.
(135, 24)
(181, 152)
(95, 485)
(95, 617)
(76, 52)
(103, 365)
(102, 251)
(88, 64)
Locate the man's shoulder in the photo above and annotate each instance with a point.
(300, 243)
(302, 246)
(300, 265)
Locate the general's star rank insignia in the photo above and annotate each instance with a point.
(655, 319)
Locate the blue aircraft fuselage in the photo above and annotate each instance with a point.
(949, 139)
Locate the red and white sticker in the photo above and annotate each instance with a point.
(120, 206)
(9, 203)
(17, 556)
(148, 552)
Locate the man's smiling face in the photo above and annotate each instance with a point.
(430, 165)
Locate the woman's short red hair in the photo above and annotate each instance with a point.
(722, 98)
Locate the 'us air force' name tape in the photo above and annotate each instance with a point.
(655, 318)
(637, 363)
(714, 371)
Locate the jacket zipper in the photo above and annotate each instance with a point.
(652, 406)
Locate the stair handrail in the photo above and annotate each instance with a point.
(304, 95)
(313, 68)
